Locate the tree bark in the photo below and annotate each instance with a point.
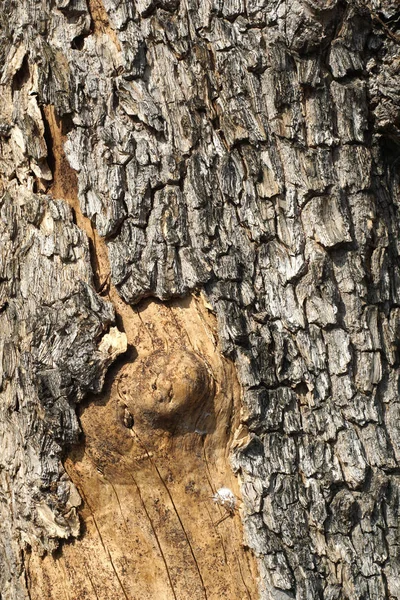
(199, 289)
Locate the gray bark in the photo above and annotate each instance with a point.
(249, 150)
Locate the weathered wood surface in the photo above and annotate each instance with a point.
(247, 149)
(155, 452)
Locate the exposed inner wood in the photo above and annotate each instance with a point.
(101, 22)
(155, 450)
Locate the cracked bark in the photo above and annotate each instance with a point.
(199, 271)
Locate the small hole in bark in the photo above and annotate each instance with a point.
(78, 42)
(301, 389)
(21, 76)
(390, 149)
(128, 419)
(67, 124)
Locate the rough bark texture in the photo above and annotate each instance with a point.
(248, 149)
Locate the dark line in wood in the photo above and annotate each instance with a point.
(117, 576)
(241, 574)
(155, 535)
(177, 514)
(90, 579)
(119, 503)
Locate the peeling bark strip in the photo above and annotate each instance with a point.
(249, 150)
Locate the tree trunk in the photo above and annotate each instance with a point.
(199, 290)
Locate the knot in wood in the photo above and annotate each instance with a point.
(170, 388)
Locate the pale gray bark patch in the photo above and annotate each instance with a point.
(250, 149)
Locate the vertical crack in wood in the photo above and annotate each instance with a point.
(156, 538)
(117, 576)
(176, 511)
